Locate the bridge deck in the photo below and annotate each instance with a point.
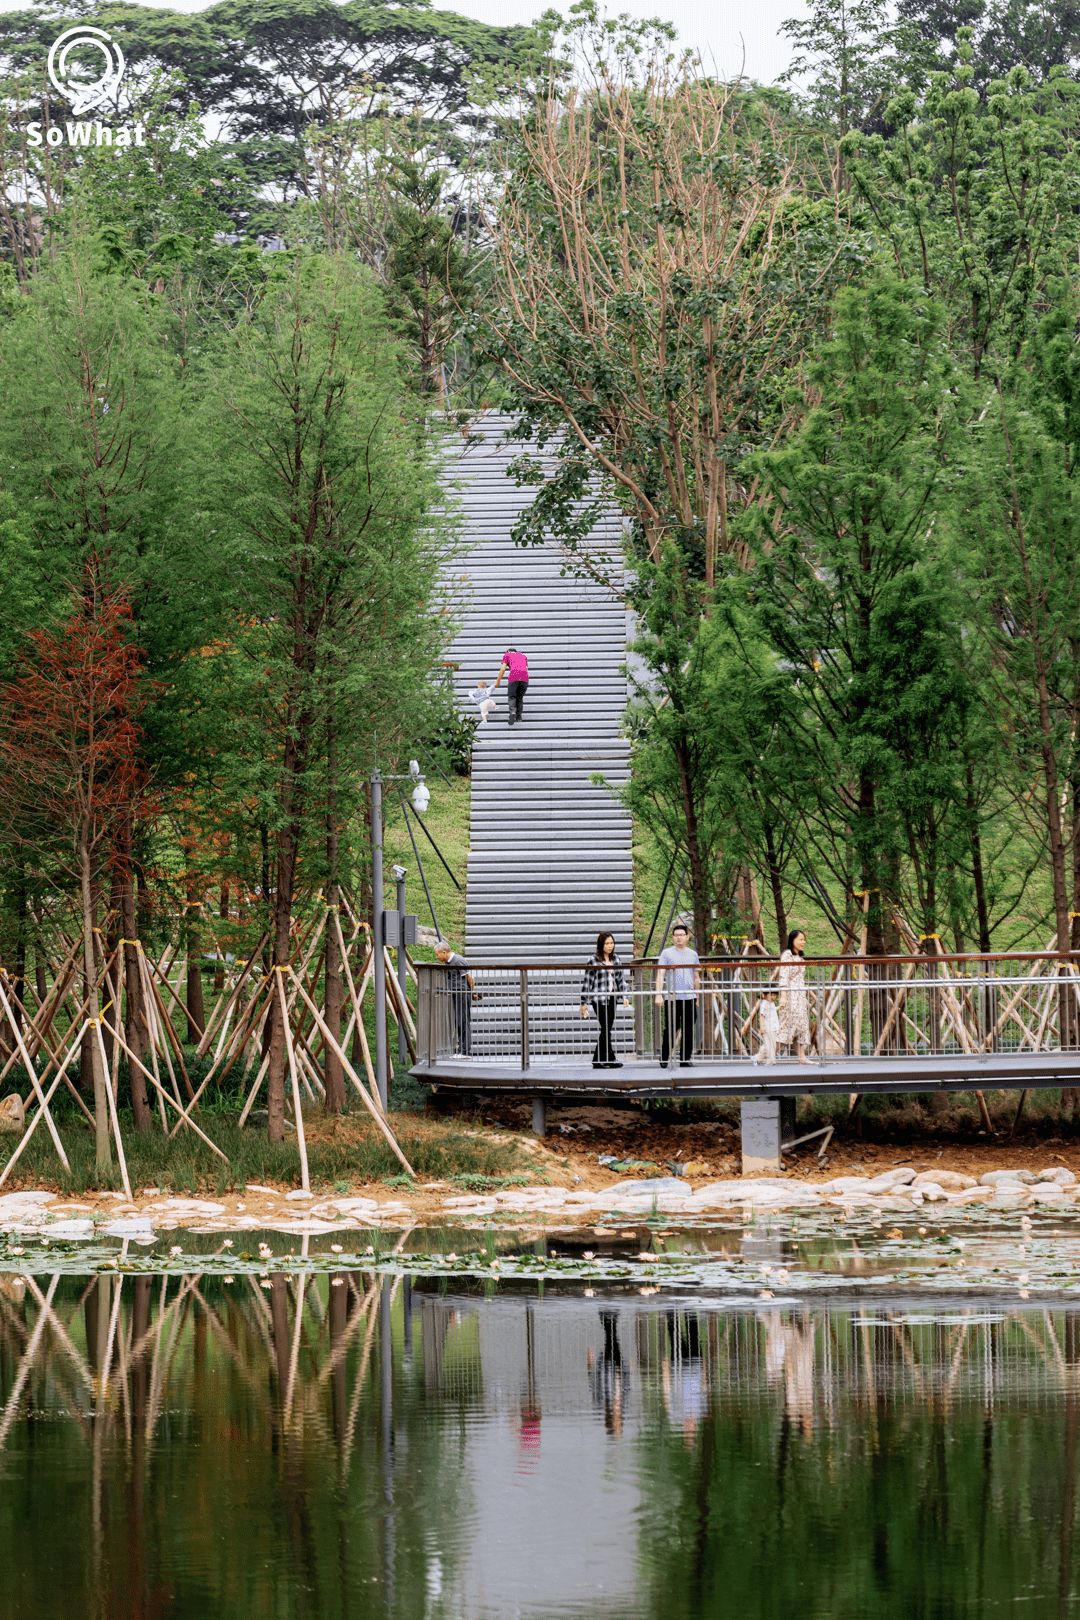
(709, 1078)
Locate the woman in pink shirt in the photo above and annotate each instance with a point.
(515, 666)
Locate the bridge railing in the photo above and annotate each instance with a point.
(856, 1007)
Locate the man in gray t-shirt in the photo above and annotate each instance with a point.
(680, 1005)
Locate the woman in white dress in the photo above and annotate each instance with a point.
(794, 1003)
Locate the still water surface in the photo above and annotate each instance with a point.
(361, 1446)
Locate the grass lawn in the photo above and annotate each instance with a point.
(344, 1153)
(447, 819)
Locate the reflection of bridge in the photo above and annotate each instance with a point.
(878, 1024)
(189, 1445)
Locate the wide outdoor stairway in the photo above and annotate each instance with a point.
(550, 857)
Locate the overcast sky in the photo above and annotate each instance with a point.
(721, 29)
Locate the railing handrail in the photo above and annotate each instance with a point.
(775, 961)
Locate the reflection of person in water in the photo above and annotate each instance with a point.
(530, 1412)
(606, 1374)
(789, 1353)
(682, 1375)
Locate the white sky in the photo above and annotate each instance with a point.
(719, 29)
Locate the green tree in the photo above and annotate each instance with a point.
(848, 57)
(97, 449)
(267, 72)
(976, 203)
(1041, 38)
(649, 295)
(1021, 518)
(332, 547)
(848, 565)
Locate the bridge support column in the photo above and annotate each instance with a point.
(539, 1117)
(767, 1122)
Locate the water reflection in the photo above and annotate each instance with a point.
(359, 1445)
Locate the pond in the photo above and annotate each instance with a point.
(361, 1443)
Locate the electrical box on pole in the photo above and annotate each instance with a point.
(392, 935)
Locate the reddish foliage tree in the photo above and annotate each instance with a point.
(73, 772)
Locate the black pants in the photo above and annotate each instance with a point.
(461, 1012)
(604, 1008)
(515, 697)
(684, 1029)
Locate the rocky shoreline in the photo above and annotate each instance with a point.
(896, 1191)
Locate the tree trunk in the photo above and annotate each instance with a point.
(112, 979)
(977, 870)
(751, 905)
(20, 945)
(334, 1099)
(136, 1029)
(287, 842)
(103, 1152)
(223, 914)
(693, 854)
(776, 886)
(196, 1016)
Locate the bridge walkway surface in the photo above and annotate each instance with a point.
(878, 1025)
(550, 860)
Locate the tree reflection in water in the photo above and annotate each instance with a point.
(363, 1445)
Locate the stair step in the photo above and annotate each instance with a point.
(549, 859)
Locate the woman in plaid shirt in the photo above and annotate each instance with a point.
(602, 983)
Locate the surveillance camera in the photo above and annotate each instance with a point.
(421, 797)
(414, 768)
(399, 873)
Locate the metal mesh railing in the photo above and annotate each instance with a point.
(868, 1007)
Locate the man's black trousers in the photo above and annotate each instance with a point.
(684, 1029)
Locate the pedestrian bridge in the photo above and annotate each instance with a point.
(879, 1024)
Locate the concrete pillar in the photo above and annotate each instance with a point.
(539, 1117)
(761, 1134)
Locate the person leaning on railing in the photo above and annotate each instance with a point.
(603, 982)
(462, 991)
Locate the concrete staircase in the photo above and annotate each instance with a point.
(550, 858)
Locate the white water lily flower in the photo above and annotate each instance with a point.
(337, 1282)
(227, 1243)
(175, 1250)
(335, 1248)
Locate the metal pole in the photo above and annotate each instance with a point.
(378, 959)
(402, 1049)
(524, 1018)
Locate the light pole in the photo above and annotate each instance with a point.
(400, 874)
(420, 799)
(379, 963)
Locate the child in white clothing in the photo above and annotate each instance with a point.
(769, 1025)
(484, 699)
